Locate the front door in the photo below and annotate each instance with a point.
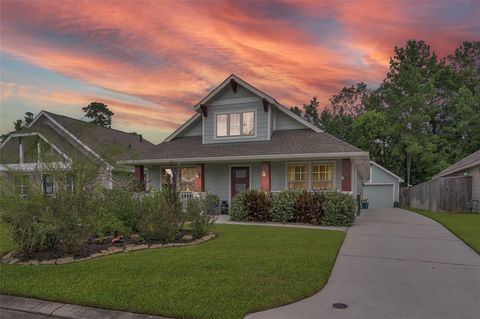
(240, 179)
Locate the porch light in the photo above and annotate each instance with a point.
(264, 173)
(197, 174)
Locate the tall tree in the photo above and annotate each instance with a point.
(21, 124)
(99, 113)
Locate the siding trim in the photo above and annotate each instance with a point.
(246, 157)
(182, 127)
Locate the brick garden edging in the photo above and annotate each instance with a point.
(9, 259)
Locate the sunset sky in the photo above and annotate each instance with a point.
(151, 61)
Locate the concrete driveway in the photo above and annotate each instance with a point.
(395, 264)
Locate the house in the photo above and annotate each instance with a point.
(468, 166)
(383, 187)
(54, 141)
(240, 138)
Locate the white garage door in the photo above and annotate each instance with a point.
(378, 195)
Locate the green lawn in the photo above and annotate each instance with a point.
(244, 269)
(465, 226)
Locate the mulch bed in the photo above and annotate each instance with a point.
(99, 247)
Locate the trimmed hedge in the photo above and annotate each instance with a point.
(317, 208)
(250, 205)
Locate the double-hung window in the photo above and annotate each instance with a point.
(235, 124)
(322, 176)
(311, 176)
(297, 176)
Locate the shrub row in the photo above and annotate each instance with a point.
(67, 221)
(327, 208)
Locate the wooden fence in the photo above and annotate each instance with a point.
(447, 194)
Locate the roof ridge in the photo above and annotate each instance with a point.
(95, 125)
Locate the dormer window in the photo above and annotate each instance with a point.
(235, 124)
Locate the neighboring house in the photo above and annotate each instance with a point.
(469, 166)
(242, 138)
(383, 187)
(54, 141)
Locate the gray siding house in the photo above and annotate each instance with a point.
(468, 166)
(56, 141)
(240, 138)
(383, 187)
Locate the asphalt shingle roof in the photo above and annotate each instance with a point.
(471, 160)
(281, 142)
(110, 144)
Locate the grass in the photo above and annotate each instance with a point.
(6, 244)
(464, 226)
(244, 269)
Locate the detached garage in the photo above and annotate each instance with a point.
(383, 188)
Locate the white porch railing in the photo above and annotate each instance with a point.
(186, 196)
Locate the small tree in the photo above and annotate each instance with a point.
(99, 113)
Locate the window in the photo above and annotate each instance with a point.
(47, 184)
(69, 182)
(22, 184)
(322, 176)
(235, 124)
(222, 124)
(297, 176)
(187, 179)
(248, 123)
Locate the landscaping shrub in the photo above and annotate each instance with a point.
(308, 207)
(161, 215)
(120, 211)
(250, 205)
(339, 209)
(238, 208)
(283, 206)
(202, 214)
(62, 222)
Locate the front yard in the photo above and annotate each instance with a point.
(465, 226)
(245, 269)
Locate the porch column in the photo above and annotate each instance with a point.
(265, 178)
(346, 175)
(200, 178)
(140, 177)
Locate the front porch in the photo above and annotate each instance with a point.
(225, 179)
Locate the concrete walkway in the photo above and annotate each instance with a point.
(22, 308)
(395, 264)
(225, 219)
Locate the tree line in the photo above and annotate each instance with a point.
(423, 117)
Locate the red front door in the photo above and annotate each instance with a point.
(240, 179)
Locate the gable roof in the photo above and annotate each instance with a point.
(249, 87)
(465, 163)
(301, 144)
(105, 144)
(387, 171)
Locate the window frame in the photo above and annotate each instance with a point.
(180, 178)
(309, 165)
(241, 135)
(43, 184)
(333, 175)
(23, 187)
